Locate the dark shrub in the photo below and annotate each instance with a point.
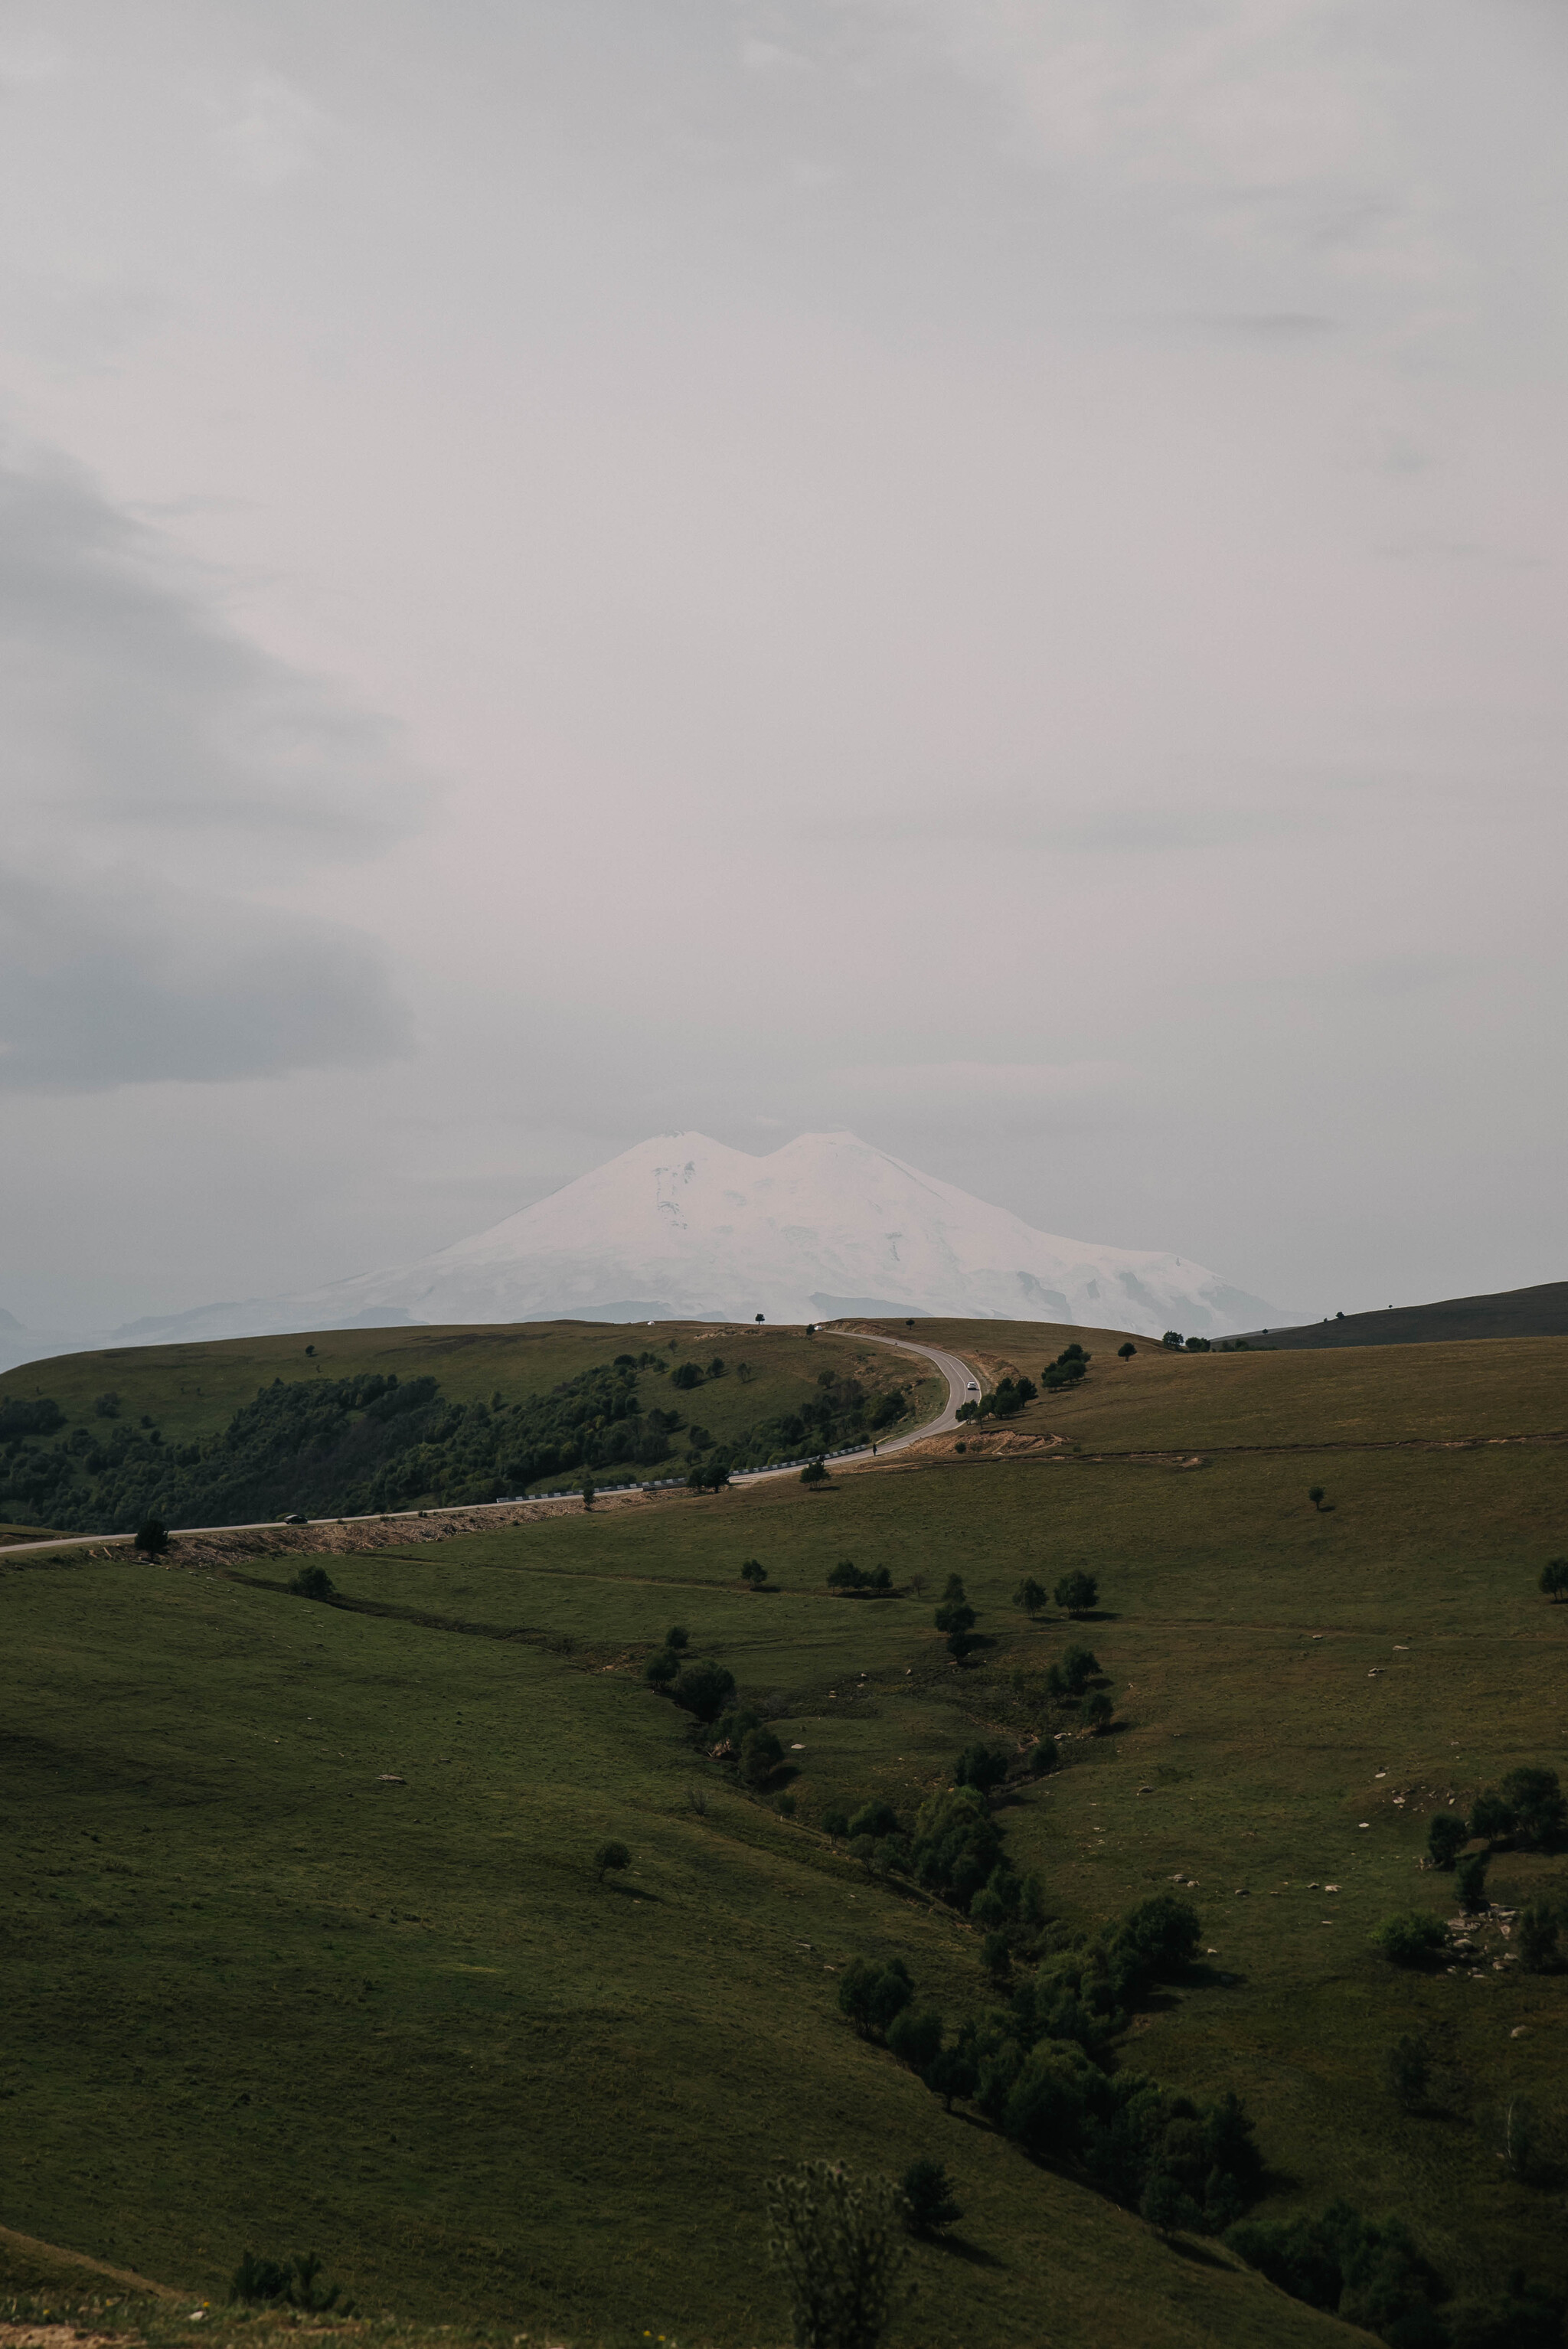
(1446, 1838)
(1097, 1712)
(1536, 1801)
(313, 1582)
(1077, 1594)
(1410, 1938)
(928, 2195)
(761, 1755)
(1074, 1673)
(704, 1689)
(1042, 1755)
(1409, 2069)
(915, 2039)
(677, 1638)
(1470, 1877)
(874, 1819)
(660, 1670)
(152, 1540)
(835, 1820)
(1554, 1579)
(611, 1856)
(687, 1375)
(1492, 1817)
(873, 1995)
(981, 1766)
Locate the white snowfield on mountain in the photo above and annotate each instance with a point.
(825, 1227)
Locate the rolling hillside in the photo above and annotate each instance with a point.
(307, 1948)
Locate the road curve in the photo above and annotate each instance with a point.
(957, 1371)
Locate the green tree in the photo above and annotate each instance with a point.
(1314, 1493)
(1408, 2068)
(1097, 1712)
(915, 2038)
(587, 1488)
(702, 1689)
(1492, 1815)
(1077, 1667)
(1077, 1594)
(1447, 1837)
(838, 2240)
(1042, 1755)
(845, 1576)
(928, 2195)
(1125, 1353)
(611, 1856)
(1411, 1938)
(835, 1821)
(151, 1538)
(982, 1766)
(995, 1956)
(1470, 1876)
(677, 1638)
(1554, 1579)
(753, 1571)
(313, 1582)
(761, 1755)
(660, 1670)
(871, 1995)
(106, 1406)
(1030, 1596)
(814, 1474)
(952, 2077)
(874, 1818)
(1540, 1812)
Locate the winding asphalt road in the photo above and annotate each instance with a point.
(960, 1378)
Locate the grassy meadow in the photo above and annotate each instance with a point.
(304, 1949)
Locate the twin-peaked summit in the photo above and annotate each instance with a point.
(826, 1225)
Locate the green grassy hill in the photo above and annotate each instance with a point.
(1538, 1312)
(364, 1421)
(304, 1949)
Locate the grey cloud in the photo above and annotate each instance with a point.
(161, 772)
(127, 699)
(97, 989)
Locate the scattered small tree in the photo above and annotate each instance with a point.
(1097, 1712)
(755, 1572)
(588, 1488)
(928, 2195)
(915, 2039)
(1554, 1579)
(761, 1755)
(1408, 2070)
(151, 1538)
(996, 1957)
(611, 1856)
(814, 1474)
(1077, 1594)
(106, 1406)
(1173, 1338)
(313, 1582)
(1447, 1837)
(1411, 1938)
(677, 1638)
(1470, 1876)
(835, 1821)
(871, 1995)
(952, 2077)
(1042, 1755)
(838, 2240)
(1492, 1817)
(704, 1689)
(1540, 1812)
(1030, 1596)
(874, 1818)
(1314, 1493)
(660, 1670)
(1125, 1353)
(980, 1767)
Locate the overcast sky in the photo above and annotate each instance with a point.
(986, 570)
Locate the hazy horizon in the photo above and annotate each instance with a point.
(984, 573)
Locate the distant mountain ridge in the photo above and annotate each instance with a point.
(682, 1227)
(1538, 1312)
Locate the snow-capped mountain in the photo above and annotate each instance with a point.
(827, 1226)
